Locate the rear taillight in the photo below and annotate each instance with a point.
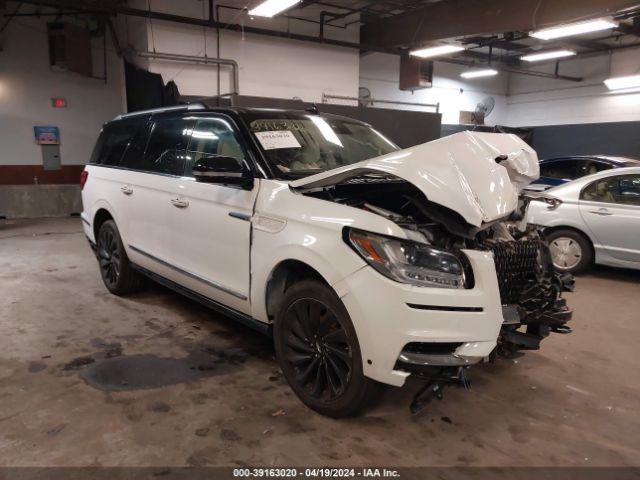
(83, 178)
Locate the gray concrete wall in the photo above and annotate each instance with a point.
(33, 201)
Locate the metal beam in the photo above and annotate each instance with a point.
(458, 18)
(469, 56)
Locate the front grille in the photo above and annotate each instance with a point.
(516, 266)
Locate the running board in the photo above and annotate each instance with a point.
(246, 320)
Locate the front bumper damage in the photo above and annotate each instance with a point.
(533, 307)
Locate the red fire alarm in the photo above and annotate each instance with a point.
(59, 102)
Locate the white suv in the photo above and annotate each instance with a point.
(365, 262)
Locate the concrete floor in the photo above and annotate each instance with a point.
(173, 384)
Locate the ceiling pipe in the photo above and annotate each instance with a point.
(120, 10)
(200, 60)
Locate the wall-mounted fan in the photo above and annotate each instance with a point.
(483, 110)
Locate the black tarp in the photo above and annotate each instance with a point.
(146, 90)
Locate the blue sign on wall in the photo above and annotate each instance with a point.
(46, 135)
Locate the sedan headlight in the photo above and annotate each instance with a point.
(408, 262)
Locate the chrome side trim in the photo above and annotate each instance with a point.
(206, 281)
(447, 360)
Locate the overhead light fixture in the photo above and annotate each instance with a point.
(489, 72)
(270, 8)
(435, 51)
(619, 83)
(538, 57)
(571, 29)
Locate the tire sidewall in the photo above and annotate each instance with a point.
(349, 402)
(124, 261)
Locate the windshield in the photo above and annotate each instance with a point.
(299, 144)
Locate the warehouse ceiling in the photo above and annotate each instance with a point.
(492, 31)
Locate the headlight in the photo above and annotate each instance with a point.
(408, 262)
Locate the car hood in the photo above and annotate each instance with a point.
(476, 174)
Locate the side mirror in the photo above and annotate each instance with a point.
(222, 170)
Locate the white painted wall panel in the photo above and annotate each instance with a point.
(539, 101)
(27, 85)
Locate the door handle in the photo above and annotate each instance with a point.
(180, 203)
(126, 189)
(602, 211)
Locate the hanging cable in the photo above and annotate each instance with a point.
(153, 39)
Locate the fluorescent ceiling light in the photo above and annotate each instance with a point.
(574, 29)
(489, 72)
(435, 51)
(270, 8)
(618, 83)
(537, 57)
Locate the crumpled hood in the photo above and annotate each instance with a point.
(459, 172)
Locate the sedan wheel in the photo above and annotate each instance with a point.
(566, 253)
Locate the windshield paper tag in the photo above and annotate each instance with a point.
(277, 139)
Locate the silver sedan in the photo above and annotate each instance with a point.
(595, 219)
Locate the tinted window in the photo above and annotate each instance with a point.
(562, 169)
(166, 147)
(623, 189)
(113, 141)
(212, 137)
(135, 151)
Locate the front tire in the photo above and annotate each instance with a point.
(115, 268)
(317, 348)
(570, 251)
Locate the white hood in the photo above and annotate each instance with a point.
(459, 172)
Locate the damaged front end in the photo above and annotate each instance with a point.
(456, 194)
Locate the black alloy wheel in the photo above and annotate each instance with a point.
(317, 349)
(109, 257)
(116, 270)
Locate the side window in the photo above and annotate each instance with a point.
(166, 147)
(630, 189)
(112, 143)
(212, 137)
(623, 189)
(561, 169)
(135, 151)
(588, 167)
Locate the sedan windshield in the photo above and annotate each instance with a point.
(299, 144)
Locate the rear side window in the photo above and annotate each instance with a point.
(135, 151)
(212, 137)
(562, 169)
(167, 146)
(113, 142)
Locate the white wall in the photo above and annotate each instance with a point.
(538, 101)
(380, 74)
(269, 66)
(27, 85)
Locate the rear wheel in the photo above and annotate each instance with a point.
(570, 251)
(117, 273)
(318, 351)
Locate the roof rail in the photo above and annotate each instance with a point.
(177, 108)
